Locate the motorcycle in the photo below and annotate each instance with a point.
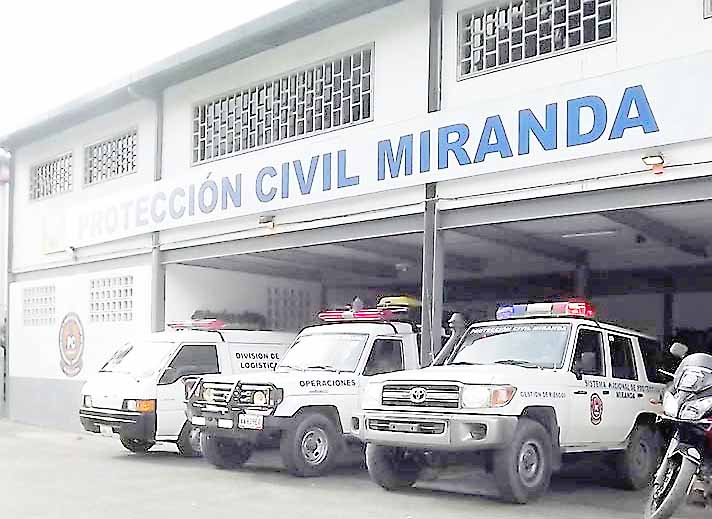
(687, 410)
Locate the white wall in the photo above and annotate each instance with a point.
(38, 224)
(34, 351)
(190, 288)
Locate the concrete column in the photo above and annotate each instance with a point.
(668, 302)
(426, 350)
(158, 269)
(582, 281)
(438, 288)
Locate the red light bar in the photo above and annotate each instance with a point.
(581, 308)
(198, 324)
(368, 314)
(574, 308)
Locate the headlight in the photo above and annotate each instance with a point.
(695, 409)
(689, 379)
(141, 406)
(670, 405)
(86, 401)
(371, 396)
(259, 398)
(478, 397)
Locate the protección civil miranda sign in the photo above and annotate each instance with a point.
(638, 108)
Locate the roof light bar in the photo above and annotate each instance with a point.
(367, 314)
(198, 324)
(574, 308)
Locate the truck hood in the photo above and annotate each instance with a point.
(109, 389)
(484, 374)
(294, 382)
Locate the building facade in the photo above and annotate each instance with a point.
(474, 152)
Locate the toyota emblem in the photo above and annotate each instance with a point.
(418, 395)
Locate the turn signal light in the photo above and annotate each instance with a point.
(140, 406)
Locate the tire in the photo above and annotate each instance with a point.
(522, 469)
(312, 447)
(224, 453)
(635, 466)
(389, 467)
(136, 446)
(670, 487)
(189, 441)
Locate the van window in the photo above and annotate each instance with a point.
(654, 358)
(622, 357)
(386, 356)
(588, 356)
(199, 359)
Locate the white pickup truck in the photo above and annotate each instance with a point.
(516, 395)
(311, 400)
(139, 394)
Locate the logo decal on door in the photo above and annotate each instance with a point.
(596, 409)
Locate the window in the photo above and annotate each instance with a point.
(386, 356)
(622, 357)
(654, 358)
(51, 178)
(38, 306)
(111, 158)
(334, 93)
(514, 32)
(588, 358)
(111, 299)
(198, 359)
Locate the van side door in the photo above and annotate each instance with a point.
(191, 359)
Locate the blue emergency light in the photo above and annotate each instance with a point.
(575, 308)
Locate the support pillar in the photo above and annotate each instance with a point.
(438, 288)
(582, 281)
(668, 302)
(158, 269)
(426, 350)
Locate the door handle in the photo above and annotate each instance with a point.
(580, 392)
(606, 392)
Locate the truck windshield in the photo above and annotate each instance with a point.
(325, 351)
(528, 345)
(140, 359)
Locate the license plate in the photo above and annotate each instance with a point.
(225, 424)
(106, 430)
(250, 421)
(404, 427)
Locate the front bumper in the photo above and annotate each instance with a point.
(437, 431)
(221, 422)
(139, 426)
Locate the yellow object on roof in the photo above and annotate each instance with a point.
(399, 301)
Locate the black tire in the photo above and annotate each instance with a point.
(189, 441)
(224, 453)
(635, 466)
(670, 487)
(390, 467)
(136, 446)
(522, 469)
(312, 447)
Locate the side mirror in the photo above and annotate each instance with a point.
(678, 350)
(585, 364)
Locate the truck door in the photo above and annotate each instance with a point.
(191, 359)
(626, 397)
(386, 356)
(588, 393)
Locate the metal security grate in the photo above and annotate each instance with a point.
(334, 93)
(51, 177)
(288, 308)
(520, 31)
(38, 305)
(111, 158)
(111, 299)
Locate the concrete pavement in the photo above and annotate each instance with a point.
(49, 474)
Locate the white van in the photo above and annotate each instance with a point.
(139, 393)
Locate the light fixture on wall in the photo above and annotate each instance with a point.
(656, 163)
(267, 219)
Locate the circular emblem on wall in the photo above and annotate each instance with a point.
(596, 409)
(71, 344)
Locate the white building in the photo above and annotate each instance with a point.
(307, 157)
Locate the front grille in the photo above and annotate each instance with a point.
(216, 393)
(405, 426)
(436, 395)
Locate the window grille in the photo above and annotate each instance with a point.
(51, 177)
(707, 9)
(288, 308)
(511, 33)
(111, 299)
(38, 305)
(334, 93)
(111, 158)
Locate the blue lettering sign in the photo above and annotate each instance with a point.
(529, 124)
(445, 146)
(342, 179)
(385, 153)
(233, 191)
(259, 184)
(207, 207)
(305, 184)
(574, 137)
(500, 144)
(645, 119)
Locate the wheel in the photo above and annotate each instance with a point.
(224, 453)
(390, 467)
(670, 487)
(312, 447)
(136, 446)
(636, 465)
(189, 441)
(522, 469)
